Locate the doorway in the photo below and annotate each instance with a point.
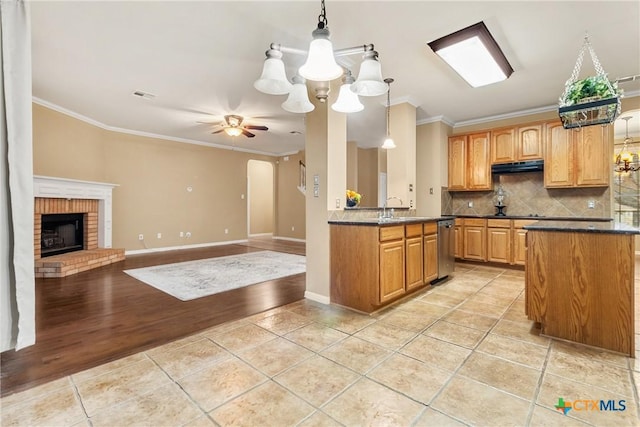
(260, 198)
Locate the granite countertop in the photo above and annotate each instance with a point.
(537, 217)
(397, 220)
(609, 227)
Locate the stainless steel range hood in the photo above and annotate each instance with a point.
(516, 167)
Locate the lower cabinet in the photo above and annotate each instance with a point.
(392, 260)
(475, 239)
(371, 266)
(520, 240)
(499, 240)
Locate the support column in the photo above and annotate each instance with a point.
(326, 165)
(401, 161)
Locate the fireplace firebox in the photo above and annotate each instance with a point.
(61, 233)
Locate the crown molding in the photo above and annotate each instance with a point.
(435, 119)
(101, 125)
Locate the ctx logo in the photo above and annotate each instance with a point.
(590, 405)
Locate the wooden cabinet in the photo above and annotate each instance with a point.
(499, 240)
(458, 238)
(475, 239)
(391, 270)
(517, 144)
(371, 266)
(594, 307)
(469, 162)
(430, 252)
(414, 256)
(519, 240)
(577, 158)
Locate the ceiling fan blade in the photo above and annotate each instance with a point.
(218, 131)
(247, 133)
(256, 127)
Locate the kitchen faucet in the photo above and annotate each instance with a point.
(384, 207)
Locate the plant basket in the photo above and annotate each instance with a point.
(591, 101)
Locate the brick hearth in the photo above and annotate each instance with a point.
(73, 262)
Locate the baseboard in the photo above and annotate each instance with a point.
(260, 234)
(317, 297)
(174, 248)
(291, 239)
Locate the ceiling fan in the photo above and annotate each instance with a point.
(232, 126)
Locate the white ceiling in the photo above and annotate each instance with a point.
(201, 58)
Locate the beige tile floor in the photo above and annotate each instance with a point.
(462, 353)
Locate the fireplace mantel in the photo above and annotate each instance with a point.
(63, 188)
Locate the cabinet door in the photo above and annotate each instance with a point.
(430, 257)
(474, 243)
(592, 156)
(457, 163)
(459, 241)
(558, 156)
(478, 163)
(529, 146)
(519, 246)
(499, 245)
(414, 265)
(503, 146)
(391, 270)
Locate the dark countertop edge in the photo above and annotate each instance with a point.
(377, 222)
(583, 227)
(538, 218)
(371, 208)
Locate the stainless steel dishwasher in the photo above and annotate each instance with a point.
(446, 247)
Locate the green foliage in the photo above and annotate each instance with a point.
(594, 86)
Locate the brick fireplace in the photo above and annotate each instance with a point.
(90, 199)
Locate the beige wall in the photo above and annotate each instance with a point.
(432, 163)
(261, 196)
(290, 220)
(153, 176)
(368, 176)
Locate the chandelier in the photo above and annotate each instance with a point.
(321, 66)
(625, 157)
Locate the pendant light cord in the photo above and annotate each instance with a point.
(388, 81)
(322, 18)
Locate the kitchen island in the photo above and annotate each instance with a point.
(376, 261)
(579, 282)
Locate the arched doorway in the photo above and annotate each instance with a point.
(260, 198)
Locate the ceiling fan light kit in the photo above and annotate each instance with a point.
(232, 126)
(320, 66)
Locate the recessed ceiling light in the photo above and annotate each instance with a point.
(144, 95)
(474, 54)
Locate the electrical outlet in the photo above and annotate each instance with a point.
(188, 234)
(140, 236)
(591, 204)
(338, 203)
(410, 203)
(431, 190)
(182, 234)
(226, 231)
(293, 229)
(159, 236)
(470, 204)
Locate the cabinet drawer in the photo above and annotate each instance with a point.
(413, 230)
(520, 223)
(430, 228)
(475, 222)
(499, 223)
(391, 233)
(459, 221)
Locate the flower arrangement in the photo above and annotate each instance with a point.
(353, 198)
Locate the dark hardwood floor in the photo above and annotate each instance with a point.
(101, 315)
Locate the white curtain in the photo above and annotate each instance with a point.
(17, 283)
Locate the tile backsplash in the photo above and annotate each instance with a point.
(526, 195)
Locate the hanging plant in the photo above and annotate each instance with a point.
(591, 89)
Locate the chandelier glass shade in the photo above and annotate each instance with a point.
(348, 101)
(298, 100)
(321, 66)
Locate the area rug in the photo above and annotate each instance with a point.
(196, 279)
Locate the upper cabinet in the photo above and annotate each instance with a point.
(469, 162)
(577, 157)
(517, 144)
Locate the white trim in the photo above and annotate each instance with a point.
(101, 125)
(436, 119)
(64, 188)
(291, 239)
(260, 234)
(174, 248)
(317, 297)
(521, 113)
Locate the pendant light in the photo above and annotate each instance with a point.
(369, 81)
(321, 64)
(273, 80)
(347, 101)
(388, 142)
(625, 157)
